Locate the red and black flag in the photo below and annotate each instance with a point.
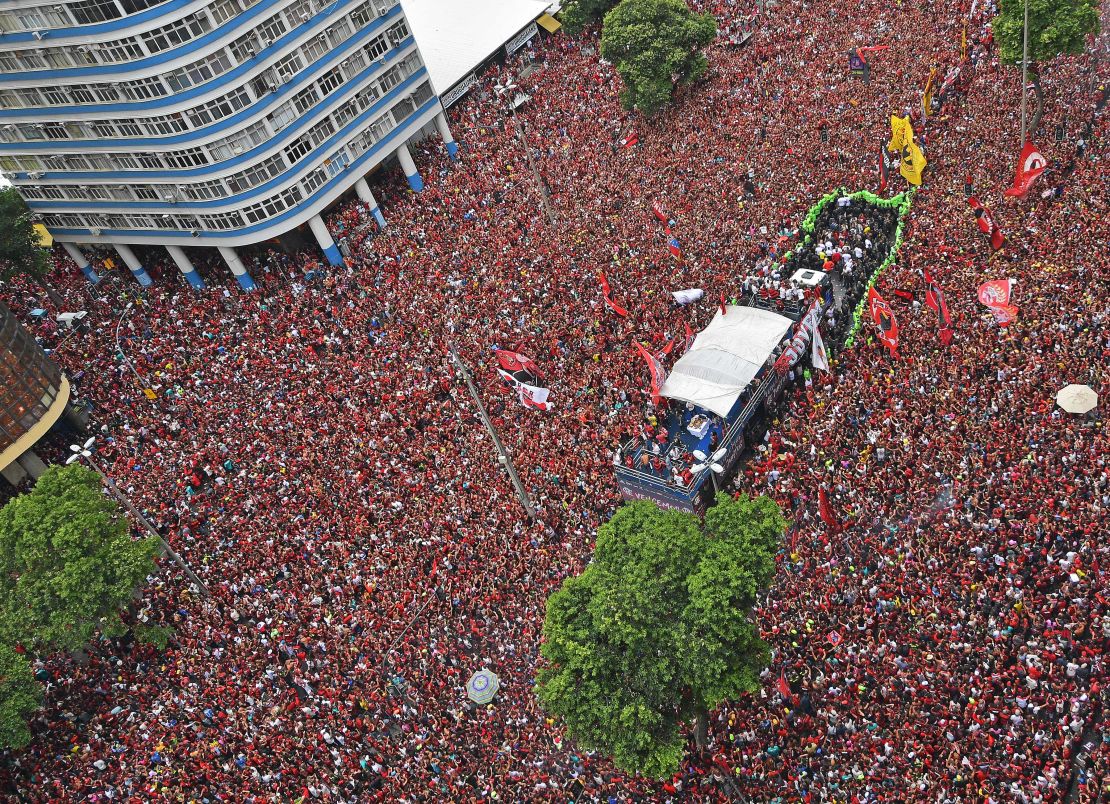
(883, 175)
(883, 317)
(630, 139)
(985, 221)
(934, 299)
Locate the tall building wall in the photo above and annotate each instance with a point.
(210, 123)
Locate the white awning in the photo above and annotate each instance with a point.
(726, 355)
(455, 36)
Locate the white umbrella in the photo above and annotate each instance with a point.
(482, 686)
(1077, 398)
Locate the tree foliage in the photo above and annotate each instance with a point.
(20, 695)
(1056, 27)
(657, 630)
(577, 14)
(68, 563)
(655, 45)
(20, 252)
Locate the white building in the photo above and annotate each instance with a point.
(216, 123)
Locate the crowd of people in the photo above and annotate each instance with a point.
(310, 453)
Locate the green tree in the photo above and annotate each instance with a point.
(655, 46)
(20, 695)
(657, 631)
(577, 14)
(1056, 27)
(20, 252)
(68, 564)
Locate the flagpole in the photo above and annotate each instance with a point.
(1024, 70)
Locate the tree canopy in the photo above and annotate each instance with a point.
(655, 45)
(657, 630)
(68, 563)
(20, 695)
(577, 14)
(1056, 27)
(20, 252)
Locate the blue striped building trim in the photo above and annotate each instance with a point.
(389, 143)
(96, 28)
(188, 138)
(241, 200)
(153, 104)
(50, 76)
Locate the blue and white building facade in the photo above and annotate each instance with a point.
(205, 123)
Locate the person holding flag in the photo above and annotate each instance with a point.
(934, 300)
(884, 319)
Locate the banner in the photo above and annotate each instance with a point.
(934, 299)
(1030, 166)
(674, 248)
(655, 368)
(818, 357)
(532, 397)
(884, 319)
(996, 295)
(521, 372)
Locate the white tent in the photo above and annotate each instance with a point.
(455, 36)
(725, 357)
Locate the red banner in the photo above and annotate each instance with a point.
(884, 319)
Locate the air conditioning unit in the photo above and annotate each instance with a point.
(269, 42)
(305, 17)
(170, 198)
(272, 87)
(94, 231)
(35, 174)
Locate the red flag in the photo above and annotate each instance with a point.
(723, 310)
(883, 175)
(606, 294)
(784, 686)
(689, 337)
(826, 512)
(659, 213)
(934, 299)
(1030, 166)
(667, 349)
(884, 319)
(514, 362)
(630, 139)
(985, 221)
(655, 368)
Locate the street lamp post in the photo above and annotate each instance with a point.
(509, 90)
(86, 451)
(119, 349)
(503, 456)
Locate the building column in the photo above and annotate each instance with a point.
(237, 268)
(407, 165)
(188, 270)
(367, 197)
(133, 263)
(448, 140)
(82, 262)
(323, 237)
(32, 464)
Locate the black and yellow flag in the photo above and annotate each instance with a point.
(913, 163)
(930, 88)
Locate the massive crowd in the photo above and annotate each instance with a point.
(311, 454)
